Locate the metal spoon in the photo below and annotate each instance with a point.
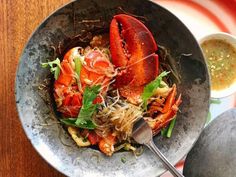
(142, 134)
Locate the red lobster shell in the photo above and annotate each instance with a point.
(133, 51)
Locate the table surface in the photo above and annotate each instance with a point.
(18, 19)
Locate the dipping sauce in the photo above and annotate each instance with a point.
(221, 60)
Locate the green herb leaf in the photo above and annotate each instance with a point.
(78, 65)
(86, 124)
(81, 123)
(215, 101)
(88, 108)
(87, 112)
(69, 121)
(123, 159)
(54, 67)
(208, 117)
(171, 127)
(84, 119)
(212, 101)
(151, 87)
(90, 94)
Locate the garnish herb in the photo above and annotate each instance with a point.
(69, 121)
(84, 119)
(212, 101)
(215, 101)
(208, 117)
(123, 159)
(151, 87)
(54, 67)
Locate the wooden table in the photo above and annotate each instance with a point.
(18, 19)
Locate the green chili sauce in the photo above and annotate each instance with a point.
(221, 60)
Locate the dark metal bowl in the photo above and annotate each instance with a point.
(36, 108)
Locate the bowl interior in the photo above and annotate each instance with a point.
(36, 107)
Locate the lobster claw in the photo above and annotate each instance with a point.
(133, 51)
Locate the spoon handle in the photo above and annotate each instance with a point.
(168, 165)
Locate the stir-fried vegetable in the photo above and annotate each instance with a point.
(84, 119)
(167, 131)
(54, 67)
(171, 127)
(164, 131)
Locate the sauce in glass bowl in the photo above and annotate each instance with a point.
(221, 60)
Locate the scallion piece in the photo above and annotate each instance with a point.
(171, 127)
(78, 65)
(164, 132)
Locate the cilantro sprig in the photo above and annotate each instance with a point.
(54, 67)
(84, 119)
(151, 87)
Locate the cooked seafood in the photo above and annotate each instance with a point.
(101, 90)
